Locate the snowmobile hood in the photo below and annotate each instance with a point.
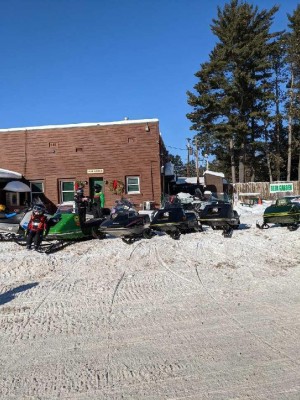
(169, 216)
(282, 212)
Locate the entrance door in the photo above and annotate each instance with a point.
(92, 183)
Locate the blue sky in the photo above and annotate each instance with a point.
(75, 61)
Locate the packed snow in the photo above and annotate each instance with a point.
(203, 317)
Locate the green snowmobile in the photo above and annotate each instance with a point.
(70, 223)
(67, 226)
(285, 212)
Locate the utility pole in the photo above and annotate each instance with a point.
(197, 159)
(206, 158)
(188, 157)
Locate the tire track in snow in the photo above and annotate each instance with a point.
(54, 286)
(110, 313)
(295, 363)
(246, 330)
(161, 262)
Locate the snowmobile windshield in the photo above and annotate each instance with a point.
(220, 197)
(292, 199)
(124, 203)
(67, 207)
(123, 206)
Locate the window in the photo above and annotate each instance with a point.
(37, 188)
(133, 184)
(67, 191)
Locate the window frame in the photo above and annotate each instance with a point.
(61, 191)
(34, 182)
(138, 184)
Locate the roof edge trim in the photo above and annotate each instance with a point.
(84, 124)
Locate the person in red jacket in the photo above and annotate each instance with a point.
(36, 227)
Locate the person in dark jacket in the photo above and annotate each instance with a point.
(36, 227)
(98, 201)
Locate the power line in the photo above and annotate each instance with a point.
(177, 148)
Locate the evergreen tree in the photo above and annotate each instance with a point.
(231, 100)
(293, 103)
(271, 146)
(179, 167)
(277, 134)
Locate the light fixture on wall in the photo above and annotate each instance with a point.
(147, 128)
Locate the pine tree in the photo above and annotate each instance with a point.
(271, 147)
(278, 135)
(231, 97)
(293, 104)
(179, 167)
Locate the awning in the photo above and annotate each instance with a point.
(16, 186)
(7, 174)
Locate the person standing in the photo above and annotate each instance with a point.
(98, 201)
(36, 227)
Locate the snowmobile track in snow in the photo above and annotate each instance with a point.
(202, 317)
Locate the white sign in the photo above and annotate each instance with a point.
(95, 171)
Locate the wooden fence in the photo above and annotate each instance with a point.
(264, 189)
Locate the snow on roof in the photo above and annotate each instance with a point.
(214, 173)
(84, 124)
(192, 179)
(250, 194)
(7, 174)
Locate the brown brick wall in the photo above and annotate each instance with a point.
(56, 153)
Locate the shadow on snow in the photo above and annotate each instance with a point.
(11, 294)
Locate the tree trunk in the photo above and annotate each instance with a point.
(277, 134)
(290, 129)
(267, 152)
(277, 159)
(269, 167)
(242, 164)
(252, 166)
(232, 161)
(289, 159)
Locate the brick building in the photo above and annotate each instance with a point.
(52, 159)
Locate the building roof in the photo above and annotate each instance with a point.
(7, 174)
(192, 179)
(84, 124)
(214, 173)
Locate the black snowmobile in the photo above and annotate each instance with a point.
(126, 223)
(285, 212)
(219, 215)
(174, 220)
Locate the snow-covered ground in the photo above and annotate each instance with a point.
(204, 317)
